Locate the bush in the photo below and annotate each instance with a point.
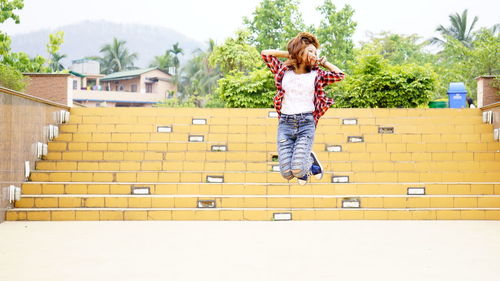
(174, 102)
(11, 78)
(376, 84)
(253, 90)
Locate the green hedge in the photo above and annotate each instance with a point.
(376, 84)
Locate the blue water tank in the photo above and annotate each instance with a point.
(457, 95)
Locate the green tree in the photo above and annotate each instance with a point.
(335, 33)
(176, 51)
(274, 23)
(398, 48)
(163, 62)
(236, 54)
(53, 46)
(11, 78)
(459, 29)
(116, 57)
(377, 84)
(199, 78)
(7, 8)
(253, 90)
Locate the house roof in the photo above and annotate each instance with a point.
(77, 73)
(129, 74)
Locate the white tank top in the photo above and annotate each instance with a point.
(299, 92)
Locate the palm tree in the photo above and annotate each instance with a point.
(459, 30)
(163, 62)
(116, 57)
(199, 79)
(176, 51)
(55, 62)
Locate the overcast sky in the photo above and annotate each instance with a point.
(218, 19)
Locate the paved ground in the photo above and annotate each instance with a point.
(274, 251)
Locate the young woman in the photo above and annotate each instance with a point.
(300, 102)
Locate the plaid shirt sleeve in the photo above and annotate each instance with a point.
(329, 77)
(273, 63)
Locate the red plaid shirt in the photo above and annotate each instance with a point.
(321, 101)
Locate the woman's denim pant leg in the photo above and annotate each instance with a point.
(295, 139)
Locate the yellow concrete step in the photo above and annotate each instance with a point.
(266, 127)
(96, 214)
(260, 156)
(259, 177)
(219, 166)
(332, 137)
(32, 188)
(262, 112)
(403, 146)
(253, 201)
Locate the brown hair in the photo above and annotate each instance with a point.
(297, 45)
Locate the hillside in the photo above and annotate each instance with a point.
(86, 38)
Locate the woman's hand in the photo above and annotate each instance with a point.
(321, 61)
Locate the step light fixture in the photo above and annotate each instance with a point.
(207, 204)
(386, 130)
(196, 138)
(141, 190)
(215, 179)
(355, 139)
(416, 191)
(164, 129)
(199, 121)
(333, 148)
(350, 121)
(340, 179)
(351, 203)
(272, 114)
(282, 216)
(219, 148)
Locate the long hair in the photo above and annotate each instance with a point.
(296, 47)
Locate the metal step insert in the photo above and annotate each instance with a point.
(340, 179)
(355, 139)
(215, 179)
(333, 148)
(207, 204)
(199, 121)
(282, 216)
(416, 191)
(219, 148)
(141, 190)
(351, 203)
(196, 138)
(272, 114)
(164, 129)
(386, 130)
(350, 121)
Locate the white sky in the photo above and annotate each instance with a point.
(218, 19)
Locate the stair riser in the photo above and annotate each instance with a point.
(254, 215)
(233, 189)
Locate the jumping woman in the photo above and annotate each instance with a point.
(300, 101)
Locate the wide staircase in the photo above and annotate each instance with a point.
(221, 164)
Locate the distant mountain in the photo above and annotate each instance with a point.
(86, 39)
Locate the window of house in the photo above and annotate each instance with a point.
(133, 88)
(121, 88)
(75, 84)
(149, 88)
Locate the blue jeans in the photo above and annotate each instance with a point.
(295, 139)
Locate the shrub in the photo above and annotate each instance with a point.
(376, 84)
(11, 78)
(253, 90)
